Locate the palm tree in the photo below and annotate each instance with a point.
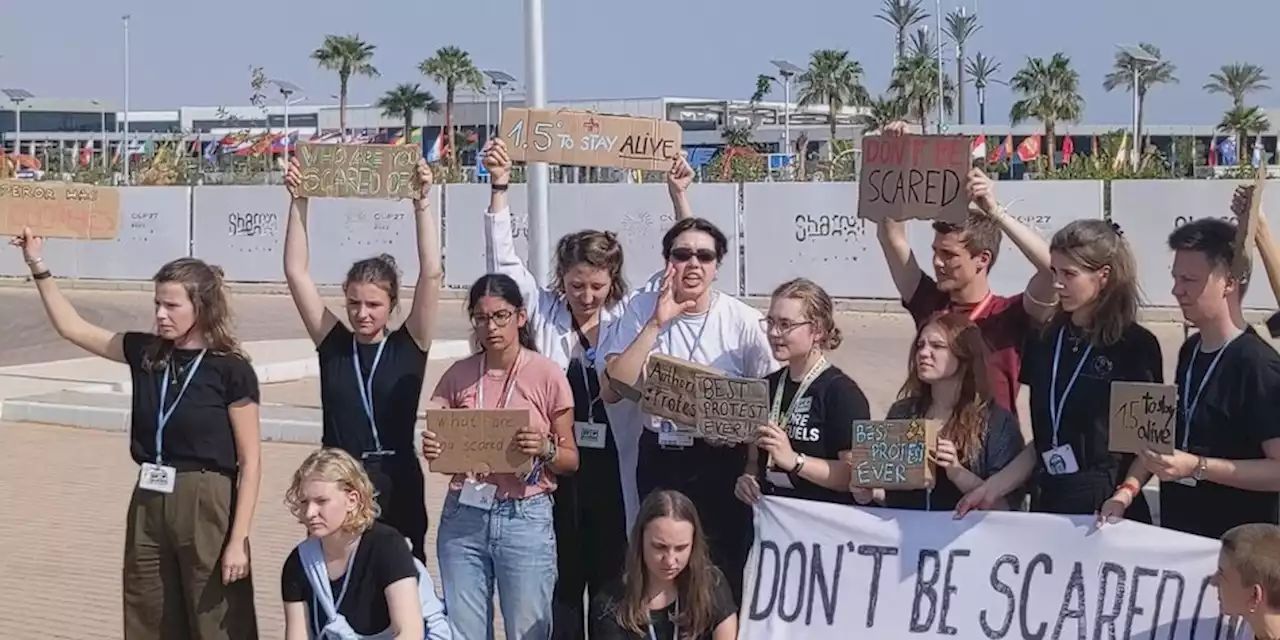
(960, 27)
(1149, 74)
(982, 72)
(882, 110)
(834, 80)
(453, 68)
(404, 100)
(1242, 122)
(902, 15)
(915, 79)
(1050, 93)
(764, 84)
(347, 55)
(1238, 80)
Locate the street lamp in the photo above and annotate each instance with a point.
(17, 97)
(286, 89)
(124, 142)
(1141, 60)
(788, 71)
(102, 129)
(499, 79)
(937, 14)
(539, 174)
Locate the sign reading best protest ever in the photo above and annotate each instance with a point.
(825, 572)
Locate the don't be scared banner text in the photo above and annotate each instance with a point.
(820, 572)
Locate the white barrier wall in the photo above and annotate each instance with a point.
(465, 206)
(345, 230)
(1149, 210)
(812, 230)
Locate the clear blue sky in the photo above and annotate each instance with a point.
(198, 53)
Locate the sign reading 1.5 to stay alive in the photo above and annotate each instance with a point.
(914, 177)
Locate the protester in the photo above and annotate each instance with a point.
(1225, 469)
(194, 432)
(688, 319)
(1093, 340)
(670, 590)
(821, 403)
(352, 574)
(589, 291)
(947, 381)
(499, 528)
(1248, 578)
(963, 256)
(370, 376)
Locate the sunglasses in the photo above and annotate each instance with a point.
(682, 254)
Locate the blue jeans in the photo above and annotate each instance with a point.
(514, 543)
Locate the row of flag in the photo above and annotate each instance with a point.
(1220, 152)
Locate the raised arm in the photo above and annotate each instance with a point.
(426, 293)
(892, 235)
(66, 320)
(316, 317)
(679, 177)
(499, 247)
(1262, 239)
(1041, 299)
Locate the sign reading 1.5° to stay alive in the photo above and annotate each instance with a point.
(380, 171)
(582, 139)
(914, 178)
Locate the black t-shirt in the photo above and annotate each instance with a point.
(585, 383)
(1136, 357)
(1238, 411)
(1001, 443)
(382, 559)
(603, 616)
(397, 387)
(820, 425)
(198, 434)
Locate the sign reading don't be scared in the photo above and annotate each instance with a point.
(914, 177)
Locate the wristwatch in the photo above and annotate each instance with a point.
(800, 458)
(1202, 465)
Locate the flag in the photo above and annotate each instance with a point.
(434, 153)
(1118, 161)
(1068, 149)
(1213, 150)
(86, 156)
(1029, 148)
(1002, 152)
(979, 148)
(1227, 153)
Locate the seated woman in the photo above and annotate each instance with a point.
(670, 590)
(353, 576)
(948, 382)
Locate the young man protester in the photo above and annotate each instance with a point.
(963, 255)
(1225, 468)
(1248, 578)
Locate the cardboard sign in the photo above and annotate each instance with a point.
(892, 454)
(1247, 227)
(730, 408)
(479, 441)
(1143, 416)
(914, 178)
(579, 138)
(59, 210)
(671, 389)
(381, 171)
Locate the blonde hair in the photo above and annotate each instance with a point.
(336, 466)
(818, 309)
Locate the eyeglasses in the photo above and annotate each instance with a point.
(500, 319)
(783, 327)
(684, 254)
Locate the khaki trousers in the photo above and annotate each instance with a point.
(173, 564)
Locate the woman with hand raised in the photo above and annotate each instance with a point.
(370, 375)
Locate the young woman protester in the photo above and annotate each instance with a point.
(370, 376)
(353, 574)
(948, 381)
(589, 292)
(1092, 340)
(500, 527)
(814, 404)
(1248, 578)
(195, 434)
(688, 319)
(671, 590)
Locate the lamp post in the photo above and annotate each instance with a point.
(787, 71)
(17, 97)
(500, 79)
(937, 14)
(124, 141)
(286, 89)
(539, 176)
(1141, 60)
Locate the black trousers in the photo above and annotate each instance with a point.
(705, 474)
(591, 536)
(401, 494)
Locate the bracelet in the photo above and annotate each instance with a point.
(549, 451)
(499, 187)
(43, 275)
(32, 263)
(1130, 487)
(800, 458)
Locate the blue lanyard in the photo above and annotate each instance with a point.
(162, 416)
(366, 387)
(1189, 404)
(1057, 403)
(346, 579)
(674, 623)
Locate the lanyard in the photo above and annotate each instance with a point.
(697, 341)
(675, 624)
(346, 579)
(366, 386)
(508, 386)
(1189, 404)
(588, 362)
(980, 307)
(1056, 403)
(588, 351)
(162, 416)
(776, 411)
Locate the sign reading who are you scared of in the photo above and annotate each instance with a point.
(379, 171)
(579, 138)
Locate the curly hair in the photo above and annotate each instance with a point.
(339, 467)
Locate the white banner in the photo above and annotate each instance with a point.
(825, 572)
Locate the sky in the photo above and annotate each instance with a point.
(185, 53)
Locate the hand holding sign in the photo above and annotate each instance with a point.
(431, 448)
(293, 179)
(497, 161)
(32, 245)
(680, 176)
(424, 179)
(982, 193)
(773, 440)
(529, 441)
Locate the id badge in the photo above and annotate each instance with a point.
(589, 434)
(669, 437)
(1061, 461)
(478, 494)
(779, 479)
(158, 478)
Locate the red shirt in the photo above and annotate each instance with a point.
(1004, 325)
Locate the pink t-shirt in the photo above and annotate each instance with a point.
(539, 386)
